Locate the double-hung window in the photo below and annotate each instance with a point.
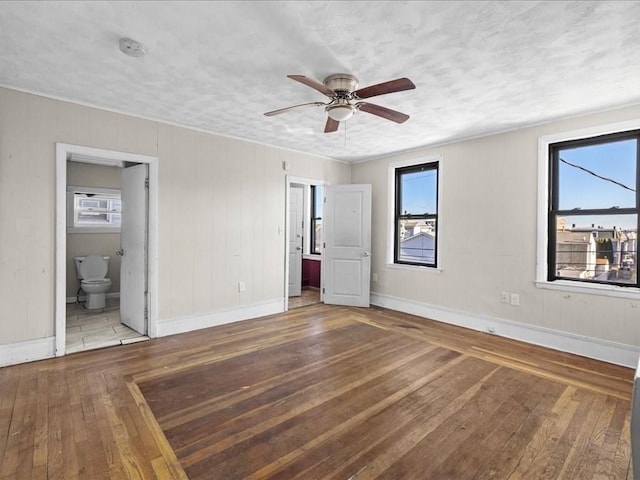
(93, 210)
(593, 209)
(316, 219)
(416, 215)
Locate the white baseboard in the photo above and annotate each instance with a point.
(83, 298)
(27, 351)
(171, 326)
(599, 349)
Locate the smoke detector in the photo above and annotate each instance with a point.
(132, 48)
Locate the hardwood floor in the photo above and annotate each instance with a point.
(308, 296)
(318, 392)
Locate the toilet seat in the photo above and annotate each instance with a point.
(97, 281)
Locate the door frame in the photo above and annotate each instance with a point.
(306, 182)
(303, 192)
(112, 158)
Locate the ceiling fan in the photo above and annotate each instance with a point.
(345, 99)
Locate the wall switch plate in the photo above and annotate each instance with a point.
(374, 277)
(515, 299)
(504, 297)
(241, 287)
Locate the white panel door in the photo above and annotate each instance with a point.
(296, 219)
(133, 242)
(347, 251)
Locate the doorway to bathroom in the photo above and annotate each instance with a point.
(106, 205)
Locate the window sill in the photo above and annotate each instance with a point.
(93, 230)
(414, 268)
(591, 289)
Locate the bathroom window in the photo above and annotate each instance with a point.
(93, 210)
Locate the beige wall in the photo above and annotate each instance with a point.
(80, 244)
(488, 237)
(221, 203)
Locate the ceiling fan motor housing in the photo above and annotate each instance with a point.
(341, 82)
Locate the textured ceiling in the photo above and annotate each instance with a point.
(479, 67)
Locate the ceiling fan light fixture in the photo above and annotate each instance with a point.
(340, 113)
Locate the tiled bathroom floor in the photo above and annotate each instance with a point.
(91, 329)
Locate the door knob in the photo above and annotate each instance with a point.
(366, 254)
(298, 248)
(120, 252)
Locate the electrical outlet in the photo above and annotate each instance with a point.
(504, 297)
(374, 277)
(515, 299)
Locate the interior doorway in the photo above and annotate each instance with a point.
(303, 264)
(114, 227)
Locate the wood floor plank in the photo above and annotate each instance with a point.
(321, 392)
(607, 451)
(622, 460)
(40, 442)
(9, 381)
(18, 458)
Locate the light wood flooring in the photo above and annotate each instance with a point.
(319, 392)
(308, 296)
(92, 329)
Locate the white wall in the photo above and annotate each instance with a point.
(80, 244)
(488, 239)
(221, 203)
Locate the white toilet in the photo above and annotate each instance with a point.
(92, 272)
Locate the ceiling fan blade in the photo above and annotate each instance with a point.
(331, 125)
(391, 86)
(313, 84)
(294, 107)
(383, 112)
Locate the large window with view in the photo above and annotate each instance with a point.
(593, 210)
(416, 215)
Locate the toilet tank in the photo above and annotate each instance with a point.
(78, 261)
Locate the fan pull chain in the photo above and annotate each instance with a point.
(345, 135)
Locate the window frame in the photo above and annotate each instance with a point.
(554, 197)
(73, 210)
(590, 135)
(312, 220)
(395, 216)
